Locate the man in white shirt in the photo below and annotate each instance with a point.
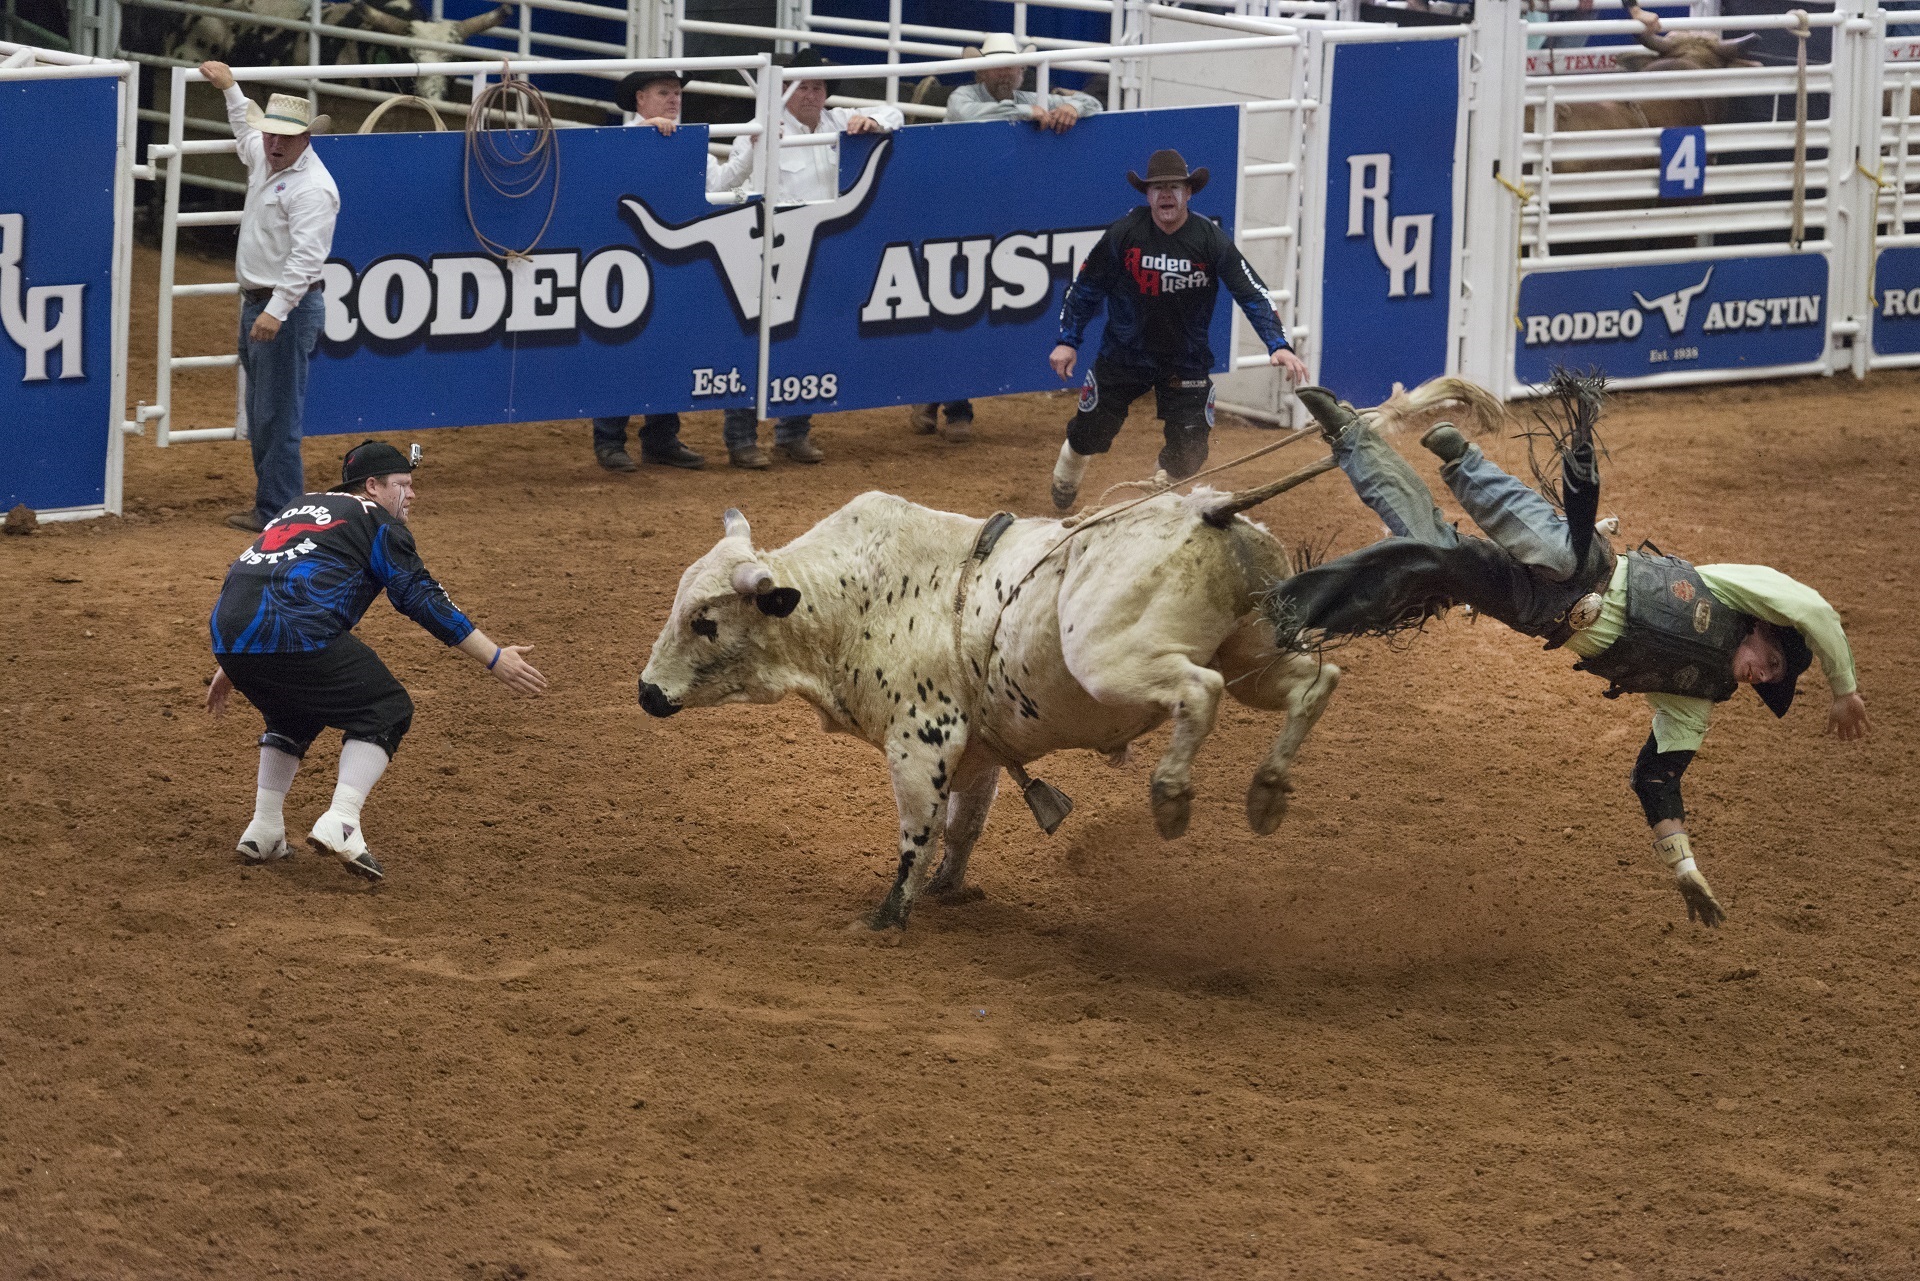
(286, 232)
(806, 174)
(654, 99)
(995, 94)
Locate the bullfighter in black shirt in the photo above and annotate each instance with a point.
(283, 636)
(1159, 273)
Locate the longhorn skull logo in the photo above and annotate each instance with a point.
(1674, 305)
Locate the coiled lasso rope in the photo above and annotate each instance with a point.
(511, 169)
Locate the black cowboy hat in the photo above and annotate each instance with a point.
(808, 56)
(1778, 695)
(372, 458)
(633, 82)
(1168, 165)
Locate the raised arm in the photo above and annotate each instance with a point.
(252, 154)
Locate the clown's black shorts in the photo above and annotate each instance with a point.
(345, 686)
(1184, 404)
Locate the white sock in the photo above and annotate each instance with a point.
(361, 765)
(1071, 469)
(277, 769)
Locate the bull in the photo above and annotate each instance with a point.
(956, 663)
(1677, 51)
(441, 31)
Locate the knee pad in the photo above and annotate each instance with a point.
(1185, 451)
(388, 739)
(281, 743)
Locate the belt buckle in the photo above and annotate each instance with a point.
(1585, 612)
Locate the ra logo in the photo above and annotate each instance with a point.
(23, 311)
(1403, 244)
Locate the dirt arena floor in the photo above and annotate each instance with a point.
(612, 1016)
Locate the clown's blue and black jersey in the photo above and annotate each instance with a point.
(1159, 291)
(312, 573)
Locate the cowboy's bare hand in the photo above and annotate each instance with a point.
(265, 328)
(665, 124)
(1847, 718)
(1294, 367)
(1062, 361)
(217, 691)
(217, 75)
(865, 124)
(516, 673)
(1063, 117)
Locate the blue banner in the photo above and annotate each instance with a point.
(937, 273)
(58, 144)
(961, 242)
(1392, 123)
(1733, 313)
(427, 329)
(1896, 295)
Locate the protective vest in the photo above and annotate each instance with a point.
(1679, 637)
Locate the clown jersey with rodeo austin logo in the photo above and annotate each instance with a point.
(1160, 291)
(314, 570)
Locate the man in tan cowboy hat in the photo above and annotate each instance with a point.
(286, 231)
(996, 94)
(1158, 272)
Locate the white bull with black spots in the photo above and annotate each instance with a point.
(1141, 617)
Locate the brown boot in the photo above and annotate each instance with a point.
(800, 451)
(753, 458)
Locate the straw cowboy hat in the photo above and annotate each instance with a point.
(1168, 166)
(997, 43)
(286, 114)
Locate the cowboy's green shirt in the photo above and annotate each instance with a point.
(1680, 723)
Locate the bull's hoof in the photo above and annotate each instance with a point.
(891, 914)
(1267, 799)
(1172, 808)
(958, 896)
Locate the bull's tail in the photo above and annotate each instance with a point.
(1484, 414)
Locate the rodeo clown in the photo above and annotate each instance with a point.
(1686, 636)
(283, 636)
(1158, 271)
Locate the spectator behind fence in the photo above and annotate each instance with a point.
(995, 94)
(806, 173)
(286, 231)
(654, 99)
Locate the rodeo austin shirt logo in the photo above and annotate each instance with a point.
(397, 301)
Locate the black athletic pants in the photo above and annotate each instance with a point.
(1185, 406)
(345, 686)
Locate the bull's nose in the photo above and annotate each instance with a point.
(654, 701)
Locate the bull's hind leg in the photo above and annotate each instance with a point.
(975, 787)
(1297, 684)
(1181, 689)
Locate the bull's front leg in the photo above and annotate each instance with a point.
(976, 783)
(922, 778)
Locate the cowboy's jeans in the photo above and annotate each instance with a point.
(1518, 520)
(740, 429)
(658, 433)
(276, 393)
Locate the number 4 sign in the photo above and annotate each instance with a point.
(1683, 163)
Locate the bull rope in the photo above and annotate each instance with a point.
(1880, 183)
(1799, 232)
(504, 165)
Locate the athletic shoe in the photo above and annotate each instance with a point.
(616, 459)
(674, 455)
(342, 837)
(924, 419)
(800, 451)
(263, 844)
(1445, 442)
(1063, 494)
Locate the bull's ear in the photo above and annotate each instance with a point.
(779, 602)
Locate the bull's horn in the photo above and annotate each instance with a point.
(736, 524)
(1739, 43)
(751, 578)
(382, 21)
(469, 27)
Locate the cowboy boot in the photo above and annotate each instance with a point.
(1333, 414)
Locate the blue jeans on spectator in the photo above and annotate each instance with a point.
(1518, 520)
(740, 428)
(959, 411)
(658, 432)
(276, 393)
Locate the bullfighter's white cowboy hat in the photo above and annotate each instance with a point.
(286, 114)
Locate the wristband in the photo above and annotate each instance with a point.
(495, 658)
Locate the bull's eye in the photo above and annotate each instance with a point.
(706, 627)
